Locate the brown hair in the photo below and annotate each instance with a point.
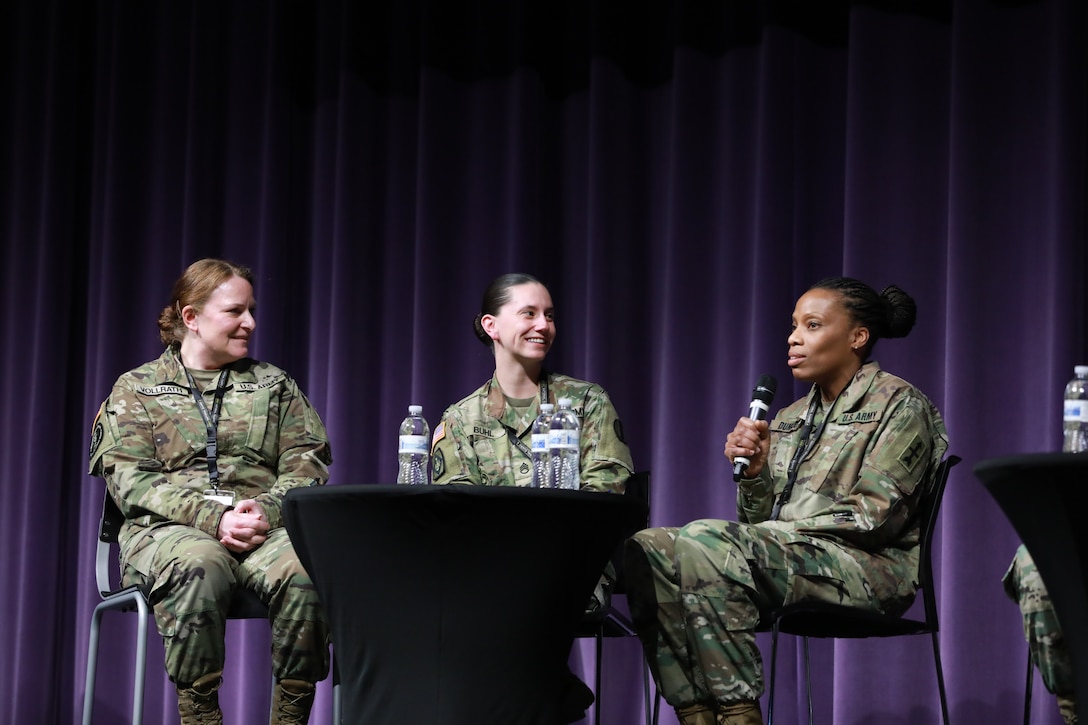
(496, 295)
(194, 287)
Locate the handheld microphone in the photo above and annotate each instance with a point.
(762, 395)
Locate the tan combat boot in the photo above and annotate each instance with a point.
(746, 712)
(198, 704)
(291, 702)
(697, 714)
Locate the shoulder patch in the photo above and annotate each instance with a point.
(617, 426)
(912, 454)
(97, 434)
(439, 434)
(438, 465)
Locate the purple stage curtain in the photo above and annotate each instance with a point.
(678, 173)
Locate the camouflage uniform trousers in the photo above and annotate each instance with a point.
(696, 595)
(1042, 630)
(190, 587)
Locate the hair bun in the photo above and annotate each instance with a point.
(902, 311)
(478, 328)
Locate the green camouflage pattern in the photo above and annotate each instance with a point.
(471, 444)
(148, 442)
(189, 588)
(1042, 631)
(847, 536)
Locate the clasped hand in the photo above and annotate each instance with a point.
(244, 527)
(750, 439)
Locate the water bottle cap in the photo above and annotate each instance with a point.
(564, 402)
(546, 407)
(1080, 369)
(415, 410)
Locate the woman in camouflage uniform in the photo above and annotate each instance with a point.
(198, 449)
(825, 511)
(484, 438)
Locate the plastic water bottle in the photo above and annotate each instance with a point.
(414, 454)
(539, 447)
(1075, 416)
(563, 448)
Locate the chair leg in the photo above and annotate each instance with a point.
(141, 662)
(337, 713)
(143, 615)
(1027, 691)
(597, 676)
(92, 667)
(940, 676)
(808, 681)
(651, 710)
(774, 663)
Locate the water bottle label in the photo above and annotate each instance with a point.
(413, 444)
(540, 442)
(563, 439)
(1076, 411)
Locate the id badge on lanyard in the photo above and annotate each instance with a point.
(211, 424)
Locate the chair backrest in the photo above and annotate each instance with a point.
(928, 508)
(638, 487)
(109, 527)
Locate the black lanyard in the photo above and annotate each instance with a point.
(804, 447)
(211, 420)
(513, 434)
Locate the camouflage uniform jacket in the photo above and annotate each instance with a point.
(149, 443)
(858, 485)
(471, 444)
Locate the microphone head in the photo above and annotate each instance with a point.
(765, 389)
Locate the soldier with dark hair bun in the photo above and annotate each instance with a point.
(198, 449)
(825, 510)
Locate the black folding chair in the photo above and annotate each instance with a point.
(826, 620)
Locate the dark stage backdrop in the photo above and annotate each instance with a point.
(676, 172)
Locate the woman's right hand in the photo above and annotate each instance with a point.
(750, 439)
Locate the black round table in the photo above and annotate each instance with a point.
(455, 605)
(1045, 498)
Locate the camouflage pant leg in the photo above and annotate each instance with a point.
(189, 585)
(653, 596)
(1041, 628)
(697, 593)
(300, 632)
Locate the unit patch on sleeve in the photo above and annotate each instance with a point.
(438, 464)
(912, 454)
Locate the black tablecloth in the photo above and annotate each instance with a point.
(455, 605)
(1045, 497)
